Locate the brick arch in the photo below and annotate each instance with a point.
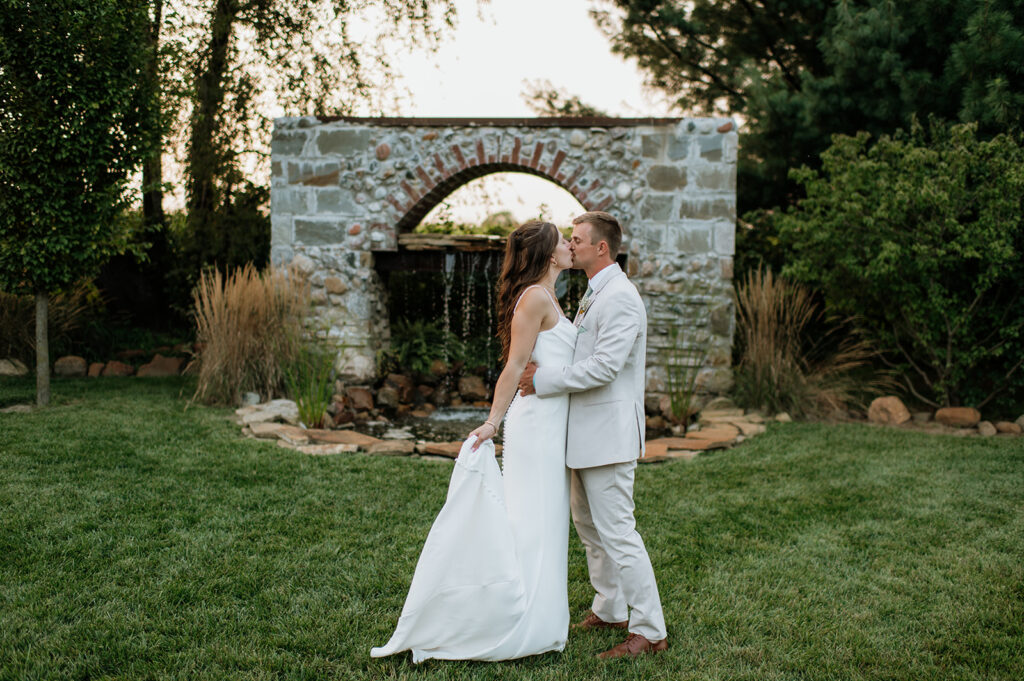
(419, 204)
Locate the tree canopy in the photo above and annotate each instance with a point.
(799, 71)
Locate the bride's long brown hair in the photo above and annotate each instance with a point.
(527, 257)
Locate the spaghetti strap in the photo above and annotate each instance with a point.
(554, 302)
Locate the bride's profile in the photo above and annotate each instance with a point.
(490, 583)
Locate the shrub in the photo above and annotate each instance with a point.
(921, 236)
(310, 380)
(782, 367)
(249, 329)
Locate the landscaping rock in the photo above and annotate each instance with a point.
(360, 398)
(17, 409)
(392, 448)
(163, 366)
(403, 386)
(987, 429)
(387, 396)
(249, 399)
(720, 404)
(1020, 421)
(95, 369)
(293, 435)
(115, 368)
(1009, 428)
(70, 366)
(318, 450)
(342, 437)
(275, 410)
(472, 388)
(888, 410)
(754, 417)
(921, 416)
(398, 434)
(15, 367)
(783, 418)
(655, 422)
(449, 449)
(961, 417)
(723, 433)
(749, 429)
(438, 368)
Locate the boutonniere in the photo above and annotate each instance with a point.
(584, 306)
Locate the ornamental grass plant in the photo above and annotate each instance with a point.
(249, 330)
(791, 358)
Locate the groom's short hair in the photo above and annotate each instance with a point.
(606, 229)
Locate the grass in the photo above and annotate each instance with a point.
(142, 541)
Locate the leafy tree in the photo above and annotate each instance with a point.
(547, 100)
(71, 93)
(798, 71)
(312, 57)
(921, 235)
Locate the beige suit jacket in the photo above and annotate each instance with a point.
(606, 378)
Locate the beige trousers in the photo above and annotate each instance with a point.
(601, 499)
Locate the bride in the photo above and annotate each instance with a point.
(491, 580)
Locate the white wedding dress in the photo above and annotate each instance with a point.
(490, 583)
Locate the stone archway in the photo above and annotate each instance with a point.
(345, 188)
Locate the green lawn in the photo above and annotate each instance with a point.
(142, 541)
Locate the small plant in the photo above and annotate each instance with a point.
(310, 379)
(780, 367)
(686, 357)
(415, 344)
(249, 327)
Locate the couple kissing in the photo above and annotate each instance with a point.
(491, 580)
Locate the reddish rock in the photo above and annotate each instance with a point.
(725, 127)
(449, 449)
(403, 386)
(95, 369)
(355, 229)
(69, 366)
(888, 411)
(162, 366)
(1009, 428)
(959, 417)
(341, 437)
(359, 398)
(438, 368)
(387, 396)
(383, 151)
(115, 368)
(430, 136)
(392, 448)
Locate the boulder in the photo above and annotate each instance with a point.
(360, 398)
(115, 368)
(959, 417)
(15, 367)
(438, 368)
(783, 418)
(722, 433)
(888, 411)
(95, 369)
(403, 385)
(279, 431)
(719, 403)
(986, 428)
(72, 365)
(472, 388)
(1020, 421)
(1009, 428)
(387, 396)
(163, 366)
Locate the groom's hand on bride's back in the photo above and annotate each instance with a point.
(526, 380)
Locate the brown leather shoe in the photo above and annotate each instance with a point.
(634, 646)
(592, 621)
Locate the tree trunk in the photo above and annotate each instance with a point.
(204, 156)
(42, 349)
(152, 167)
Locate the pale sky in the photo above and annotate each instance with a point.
(482, 68)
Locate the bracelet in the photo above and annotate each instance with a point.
(488, 422)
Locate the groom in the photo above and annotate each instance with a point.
(606, 436)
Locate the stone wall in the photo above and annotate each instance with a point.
(345, 188)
